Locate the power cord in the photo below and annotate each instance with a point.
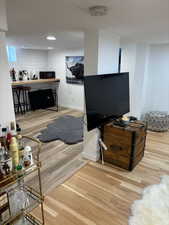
(103, 147)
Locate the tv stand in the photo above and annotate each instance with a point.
(125, 145)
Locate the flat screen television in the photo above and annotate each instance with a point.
(106, 97)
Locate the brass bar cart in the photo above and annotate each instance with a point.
(36, 198)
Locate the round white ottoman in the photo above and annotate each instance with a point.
(157, 121)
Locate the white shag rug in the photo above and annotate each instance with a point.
(153, 208)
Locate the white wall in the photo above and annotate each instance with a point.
(134, 61)
(139, 81)
(70, 95)
(3, 20)
(108, 52)
(149, 76)
(128, 65)
(6, 100)
(157, 86)
(31, 60)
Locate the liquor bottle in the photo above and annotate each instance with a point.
(4, 133)
(13, 128)
(14, 152)
(8, 139)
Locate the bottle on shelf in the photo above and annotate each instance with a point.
(4, 134)
(28, 157)
(6, 169)
(8, 139)
(1, 153)
(14, 152)
(19, 139)
(4, 131)
(13, 128)
(1, 174)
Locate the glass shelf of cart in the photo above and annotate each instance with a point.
(28, 219)
(14, 177)
(22, 201)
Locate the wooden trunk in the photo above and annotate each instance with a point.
(125, 145)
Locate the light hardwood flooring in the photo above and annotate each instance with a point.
(103, 195)
(59, 160)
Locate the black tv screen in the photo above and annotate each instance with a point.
(107, 97)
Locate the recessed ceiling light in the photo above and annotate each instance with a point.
(51, 38)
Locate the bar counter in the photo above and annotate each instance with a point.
(16, 83)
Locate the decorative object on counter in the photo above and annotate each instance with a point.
(13, 74)
(35, 77)
(24, 75)
(74, 69)
(20, 76)
(157, 121)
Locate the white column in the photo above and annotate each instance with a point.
(6, 101)
(101, 57)
(91, 51)
(90, 147)
(108, 55)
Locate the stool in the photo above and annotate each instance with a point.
(21, 100)
(157, 121)
(55, 95)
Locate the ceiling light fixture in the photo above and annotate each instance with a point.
(98, 10)
(51, 38)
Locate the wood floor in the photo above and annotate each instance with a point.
(59, 160)
(103, 195)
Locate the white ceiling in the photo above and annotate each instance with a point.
(31, 20)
